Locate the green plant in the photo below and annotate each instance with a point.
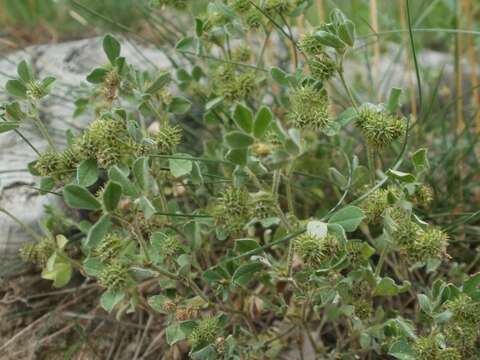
(232, 220)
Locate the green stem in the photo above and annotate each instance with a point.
(43, 130)
(371, 164)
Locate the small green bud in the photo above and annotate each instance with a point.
(406, 231)
(204, 334)
(309, 108)
(253, 19)
(376, 203)
(242, 54)
(110, 85)
(379, 128)
(279, 7)
(241, 6)
(35, 90)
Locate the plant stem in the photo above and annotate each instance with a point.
(24, 226)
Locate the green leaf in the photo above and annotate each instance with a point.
(97, 75)
(328, 39)
(160, 82)
(46, 185)
(243, 117)
(180, 167)
(317, 228)
(420, 159)
(58, 270)
(279, 76)
(112, 195)
(394, 100)
(402, 350)
(388, 287)
(349, 218)
(118, 175)
(246, 245)
(401, 176)
(111, 47)
(238, 156)
(238, 140)
(147, 208)
(141, 172)
(262, 121)
(185, 44)
(346, 32)
(245, 272)
(110, 299)
(16, 88)
(93, 266)
(78, 197)
(8, 126)
(14, 112)
(179, 105)
(25, 71)
(98, 231)
(47, 84)
(425, 304)
(471, 287)
(87, 172)
(174, 334)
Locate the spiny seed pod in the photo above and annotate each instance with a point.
(450, 353)
(204, 334)
(169, 247)
(38, 253)
(246, 84)
(310, 45)
(309, 109)
(279, 7)
(406, 231)
(314, 251)
(322, 67)
(50, 164)
(233, 210)
(114, 276)
(430, 244)
(35, 90)
(167, 138)
(107, 141)
(426, 348)
(242, 54)
(264, 205)
(363, 308)
(110, 247)
(424, 196)
(376, 203)
(71, 158)
(354, 252)
(462, 337)
(379, 128)
(464, 309)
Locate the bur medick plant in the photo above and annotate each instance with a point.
(265, 212)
